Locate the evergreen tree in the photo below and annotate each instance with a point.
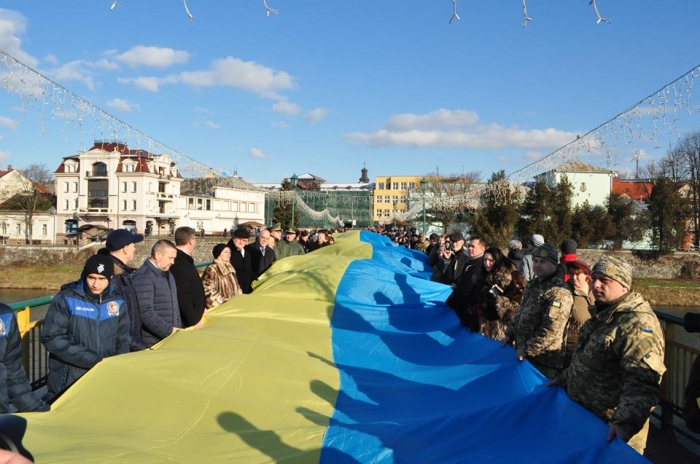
(496, 217)
(282, 213)
(535, 211)
(561, 214)
(668, 213)
(628, 224)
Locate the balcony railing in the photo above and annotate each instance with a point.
(96, 174)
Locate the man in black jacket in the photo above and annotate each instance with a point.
(241, 258)
(465, 298)
(190, 291)
(261, 255)
(121, 246)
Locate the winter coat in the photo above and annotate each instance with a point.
(14, 386)
(288, 248)
(500, 300)
(579, 315)
(156, 292)
(190, 293)
(123, 281)
(618, 363)
(220, 283)
(80, 329)
(243, 266)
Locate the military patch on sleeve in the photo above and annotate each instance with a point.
(648, 333)
(556, 304)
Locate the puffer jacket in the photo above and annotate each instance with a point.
(80, 329)
(14, 386)
(156, 293)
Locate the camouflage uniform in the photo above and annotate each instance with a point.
(618, 364)
(539, 327)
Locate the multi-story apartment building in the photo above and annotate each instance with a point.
(114, 186)
(391, 197)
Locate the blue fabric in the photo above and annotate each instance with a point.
(386, 254)
(416, 387)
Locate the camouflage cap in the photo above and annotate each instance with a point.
(615, 269)
(547, 252)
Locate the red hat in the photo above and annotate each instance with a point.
(579, 264)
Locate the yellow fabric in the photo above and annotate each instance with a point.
(256, 384)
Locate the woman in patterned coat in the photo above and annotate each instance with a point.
(219, 278)
(500, 296)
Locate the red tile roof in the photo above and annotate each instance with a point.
(635, 189)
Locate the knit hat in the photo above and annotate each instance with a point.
(98, 264)
(119, 238)
(547, 252)
(218, 248)
(537, 240)
(615, 269)
(579, 264)
(515, 245)
(568, 247)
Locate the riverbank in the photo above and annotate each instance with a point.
(659, 292)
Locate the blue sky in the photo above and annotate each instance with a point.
(327, 86)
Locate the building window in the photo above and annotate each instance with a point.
(44, 230)
(379, 213)
(67, 205)
(133, 205)
(403, 199)
(190, 203)
(133, 187)
(403, 185)
(207, 205)
(234, 206)
(123, 205)
(75, 187)
(65, 187)
(4, 228)
(251, 208)
(123, 187)
(381, 186)
(395, 199)
(411, 185)
(394, 185)
(379, 198)
(386, 199)
(18, 229)
(75, 203)
(244, 207)
(386, 213)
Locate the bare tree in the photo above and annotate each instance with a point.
(34, 196)
(452, 197)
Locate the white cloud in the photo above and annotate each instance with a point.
(122, 105)
(280, 124)
(155, 57)
(8, 122)
(13, 25)
(74, 71)
(437, 119)
(286, 107)
(257, 153)
(316, 114)
(212, 124)
(226, 72)
(450, 129)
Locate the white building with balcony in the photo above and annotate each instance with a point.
(113, 186)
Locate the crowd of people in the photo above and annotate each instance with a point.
(581, 326)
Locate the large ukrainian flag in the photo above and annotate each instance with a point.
(345, 355)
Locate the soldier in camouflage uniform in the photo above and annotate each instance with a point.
(539, 328)
(618, 363)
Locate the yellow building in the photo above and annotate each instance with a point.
(391, 194)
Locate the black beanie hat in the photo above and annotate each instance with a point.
(568, 247)
(218, 249)
(98, 264)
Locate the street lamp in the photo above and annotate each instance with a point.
(423, 185)
(294, 179)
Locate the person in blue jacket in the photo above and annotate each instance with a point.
(86, 322)
(14, 385)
